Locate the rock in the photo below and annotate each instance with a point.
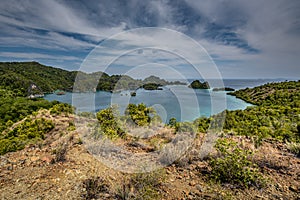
(22, 162)
(106, 195)
(192, 174)
(34, 158)
(293, 188)
(279, 187)
(186, 192)
(191, 195)
(199, 188)
(179, 177)
(47, 159)
(192, 183)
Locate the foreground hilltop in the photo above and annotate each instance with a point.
(44, 155)
(60, 167)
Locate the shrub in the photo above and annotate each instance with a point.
(186, 127)
(190, 127)
(93, 187)
(62, 108)
(109, 124)
(86, 114)
(60, 153)
(142, 186)
(173, 122)
(294, 148)
(139, 114)
(233, 165)
(72, 126)
(203, 124)
(26, 132)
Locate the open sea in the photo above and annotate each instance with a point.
(179, 101)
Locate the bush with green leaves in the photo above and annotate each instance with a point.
(109, 123)
(139, 114)
(233, 165)
(29, 131)
(62, 108)
(294, 148)
(173, 123)
(203, 124)
(279, 122)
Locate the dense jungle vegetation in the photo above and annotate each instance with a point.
(17, 76)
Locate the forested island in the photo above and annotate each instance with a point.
(18, 76)
(196, 84)
(256, 155)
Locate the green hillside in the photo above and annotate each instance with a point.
(276, 114)
(284, 93)
(18, 76)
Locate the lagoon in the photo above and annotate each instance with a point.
(179, 101)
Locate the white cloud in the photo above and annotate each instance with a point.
(272, 27)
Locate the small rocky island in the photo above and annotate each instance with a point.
(228, 89)
(196, 84)
(152, 86)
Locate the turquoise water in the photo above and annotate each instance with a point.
(181, 102)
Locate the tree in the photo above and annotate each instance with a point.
(109, 123)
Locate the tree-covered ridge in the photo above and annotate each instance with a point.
(284, 93)
(276, 114)
(18, 76)
(115, 83)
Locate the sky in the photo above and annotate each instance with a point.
(244, 39)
